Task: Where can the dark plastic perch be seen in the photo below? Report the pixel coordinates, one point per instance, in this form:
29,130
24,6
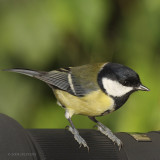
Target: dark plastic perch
16,143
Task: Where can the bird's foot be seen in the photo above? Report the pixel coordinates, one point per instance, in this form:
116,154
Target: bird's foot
106,131
77,137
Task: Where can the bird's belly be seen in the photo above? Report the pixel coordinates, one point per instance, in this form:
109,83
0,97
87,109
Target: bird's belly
93,104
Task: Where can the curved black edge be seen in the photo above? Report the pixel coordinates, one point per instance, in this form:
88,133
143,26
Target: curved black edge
58,144
14,141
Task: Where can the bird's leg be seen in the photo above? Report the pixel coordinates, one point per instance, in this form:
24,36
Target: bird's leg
106,131
75,132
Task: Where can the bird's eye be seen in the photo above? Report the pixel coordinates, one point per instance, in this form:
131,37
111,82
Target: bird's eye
126,83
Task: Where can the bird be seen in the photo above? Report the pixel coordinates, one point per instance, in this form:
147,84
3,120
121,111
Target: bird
91,90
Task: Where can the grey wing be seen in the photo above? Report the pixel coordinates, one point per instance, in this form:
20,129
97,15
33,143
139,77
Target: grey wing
55,79
58,79
70,83
62,79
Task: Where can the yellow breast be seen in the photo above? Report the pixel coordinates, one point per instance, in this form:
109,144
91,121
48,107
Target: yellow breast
93,104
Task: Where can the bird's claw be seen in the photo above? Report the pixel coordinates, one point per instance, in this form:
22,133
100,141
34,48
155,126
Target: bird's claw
78,138
106,131
119,143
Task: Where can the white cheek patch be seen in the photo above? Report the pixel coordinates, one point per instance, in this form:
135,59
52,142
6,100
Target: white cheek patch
114,88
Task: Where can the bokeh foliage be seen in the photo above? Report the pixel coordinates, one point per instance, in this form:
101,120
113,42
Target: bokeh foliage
46,35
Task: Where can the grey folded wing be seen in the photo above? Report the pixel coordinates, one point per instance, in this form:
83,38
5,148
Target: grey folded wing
69,82
63,79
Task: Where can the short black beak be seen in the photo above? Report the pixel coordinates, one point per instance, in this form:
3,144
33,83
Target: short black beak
143,88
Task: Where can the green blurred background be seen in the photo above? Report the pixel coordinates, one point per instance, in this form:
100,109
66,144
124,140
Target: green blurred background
46,35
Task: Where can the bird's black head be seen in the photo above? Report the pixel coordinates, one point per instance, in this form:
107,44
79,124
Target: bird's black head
118,80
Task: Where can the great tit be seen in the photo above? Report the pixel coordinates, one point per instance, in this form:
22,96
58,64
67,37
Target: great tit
91,90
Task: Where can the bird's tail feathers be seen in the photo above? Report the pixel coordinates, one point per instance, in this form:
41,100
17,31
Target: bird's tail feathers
27,72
